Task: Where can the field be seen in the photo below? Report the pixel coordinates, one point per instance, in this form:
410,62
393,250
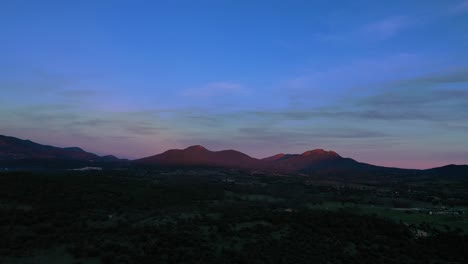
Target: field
229,216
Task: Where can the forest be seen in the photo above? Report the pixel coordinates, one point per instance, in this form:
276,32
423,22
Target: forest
206,215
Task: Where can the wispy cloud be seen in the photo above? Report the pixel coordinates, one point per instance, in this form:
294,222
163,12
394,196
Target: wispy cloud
349,80
391,26
215,89
459,75
385,29
460,8
379,30
144,129
78,93
275,135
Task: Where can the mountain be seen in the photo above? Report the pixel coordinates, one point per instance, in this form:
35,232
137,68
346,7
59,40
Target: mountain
275,157
15,149
25,153
200,156
317,160
451,171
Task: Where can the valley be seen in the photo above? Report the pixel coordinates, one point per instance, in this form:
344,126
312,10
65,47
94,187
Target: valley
207,215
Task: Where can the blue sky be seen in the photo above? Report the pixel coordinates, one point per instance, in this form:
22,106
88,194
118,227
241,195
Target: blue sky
384,82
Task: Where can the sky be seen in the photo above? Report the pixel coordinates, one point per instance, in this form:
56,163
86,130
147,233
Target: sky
383,82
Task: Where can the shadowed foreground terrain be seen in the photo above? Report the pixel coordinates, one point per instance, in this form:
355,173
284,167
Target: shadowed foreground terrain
197,215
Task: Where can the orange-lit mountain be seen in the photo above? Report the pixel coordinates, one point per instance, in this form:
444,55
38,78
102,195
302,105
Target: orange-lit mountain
317,160
14,149
25,153
312,160
307,160
275,157
200,156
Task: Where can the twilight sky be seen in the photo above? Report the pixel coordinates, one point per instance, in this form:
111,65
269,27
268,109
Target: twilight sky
383,82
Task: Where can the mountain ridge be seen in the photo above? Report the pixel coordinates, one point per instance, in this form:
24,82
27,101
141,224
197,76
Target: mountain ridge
316,160
311,161
14,149
199,155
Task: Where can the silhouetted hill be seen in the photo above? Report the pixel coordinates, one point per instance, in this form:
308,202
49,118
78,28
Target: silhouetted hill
15,149
454,171
110,158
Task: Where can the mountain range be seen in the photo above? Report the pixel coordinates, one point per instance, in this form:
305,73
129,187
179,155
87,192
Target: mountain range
14,149
312,160
318,160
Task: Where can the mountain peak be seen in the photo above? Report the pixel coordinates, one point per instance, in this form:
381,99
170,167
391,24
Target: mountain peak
320,152
196,147
200,156
12,148
275,157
